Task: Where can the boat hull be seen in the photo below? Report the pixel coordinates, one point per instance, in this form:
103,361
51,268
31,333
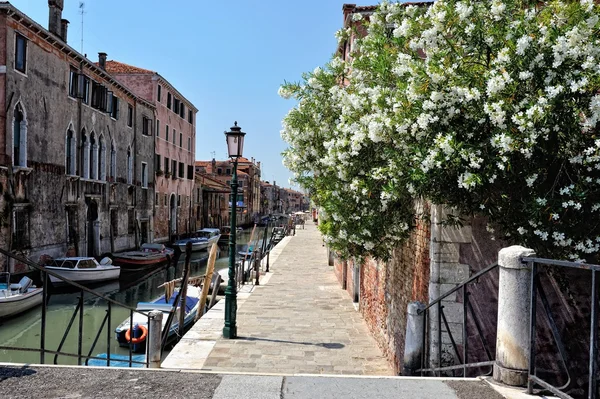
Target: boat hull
84,275
139,262
16,304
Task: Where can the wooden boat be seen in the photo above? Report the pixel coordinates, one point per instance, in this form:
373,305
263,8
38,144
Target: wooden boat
150,255
83,270
140,321
224,239
201,240
17,298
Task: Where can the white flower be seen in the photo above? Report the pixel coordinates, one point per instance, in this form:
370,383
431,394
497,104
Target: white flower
531,179
522,44
284,93
357,16
497,9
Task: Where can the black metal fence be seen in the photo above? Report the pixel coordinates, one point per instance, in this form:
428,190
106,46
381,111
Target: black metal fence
537,291
103,333
460,363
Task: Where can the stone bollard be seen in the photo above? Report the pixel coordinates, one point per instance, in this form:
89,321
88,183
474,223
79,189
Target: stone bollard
413,341
514,297
154,338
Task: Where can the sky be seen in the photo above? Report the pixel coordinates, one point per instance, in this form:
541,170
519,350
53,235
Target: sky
227,57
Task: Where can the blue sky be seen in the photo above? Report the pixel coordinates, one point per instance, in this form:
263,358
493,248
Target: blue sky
227,57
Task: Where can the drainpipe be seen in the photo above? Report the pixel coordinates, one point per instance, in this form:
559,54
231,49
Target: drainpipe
135,133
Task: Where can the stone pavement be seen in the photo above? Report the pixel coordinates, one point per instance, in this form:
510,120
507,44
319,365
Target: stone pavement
25,381
298,321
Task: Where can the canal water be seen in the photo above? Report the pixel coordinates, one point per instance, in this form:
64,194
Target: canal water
24,330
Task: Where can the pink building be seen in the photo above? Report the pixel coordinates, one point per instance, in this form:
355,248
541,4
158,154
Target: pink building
175,141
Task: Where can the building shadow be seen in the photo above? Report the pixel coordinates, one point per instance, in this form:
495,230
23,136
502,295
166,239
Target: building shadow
15,372
326,345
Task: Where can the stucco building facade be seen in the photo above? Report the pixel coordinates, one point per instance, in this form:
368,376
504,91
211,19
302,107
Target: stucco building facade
175,143
76,147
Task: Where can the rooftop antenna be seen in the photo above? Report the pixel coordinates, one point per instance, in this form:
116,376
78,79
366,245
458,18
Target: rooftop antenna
213,154
81,12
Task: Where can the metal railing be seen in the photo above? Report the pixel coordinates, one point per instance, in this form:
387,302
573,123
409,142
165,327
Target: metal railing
78,314
254,262
537,290
460,357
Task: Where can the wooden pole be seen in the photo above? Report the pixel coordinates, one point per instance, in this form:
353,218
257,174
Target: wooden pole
184,284
207,279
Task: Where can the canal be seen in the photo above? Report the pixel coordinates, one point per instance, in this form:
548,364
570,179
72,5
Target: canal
24,330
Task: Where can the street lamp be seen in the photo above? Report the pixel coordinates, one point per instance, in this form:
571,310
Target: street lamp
235,147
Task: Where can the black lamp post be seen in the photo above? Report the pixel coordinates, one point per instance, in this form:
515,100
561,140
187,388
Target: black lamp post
235,147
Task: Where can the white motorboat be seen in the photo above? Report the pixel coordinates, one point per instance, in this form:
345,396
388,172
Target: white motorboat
17,298
83,270
201,240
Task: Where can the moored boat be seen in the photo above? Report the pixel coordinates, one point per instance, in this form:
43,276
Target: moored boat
140,321
150,255
201,240
82,270
17,298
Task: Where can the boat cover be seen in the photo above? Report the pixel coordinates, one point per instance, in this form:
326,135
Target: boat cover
189,303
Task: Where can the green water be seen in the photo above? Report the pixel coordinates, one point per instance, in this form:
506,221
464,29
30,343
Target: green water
24,330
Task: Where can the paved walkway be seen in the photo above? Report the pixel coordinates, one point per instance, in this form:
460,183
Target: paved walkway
298,321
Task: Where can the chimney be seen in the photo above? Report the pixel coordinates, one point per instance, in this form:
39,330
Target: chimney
347,9
55,15
214,166
102,60
64,26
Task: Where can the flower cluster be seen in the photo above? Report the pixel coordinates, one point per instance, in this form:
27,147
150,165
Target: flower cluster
488,106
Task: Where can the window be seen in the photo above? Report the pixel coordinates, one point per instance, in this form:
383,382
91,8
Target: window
146,127
156,199
71,224
101,159
189,144
19,137
113,162
166,165
219,171
169,100
181,139
178,200
114,222
21,53
228,171
157,162
70,151
190,117
240,184
114,109
129,167
174,136
73,83
157,128
191,172
99,96
176,105
165,200
83,87
144,175
130,221
182,110
174,168
93,157
129,116
21,228
181,170
167,132
85,155
158,95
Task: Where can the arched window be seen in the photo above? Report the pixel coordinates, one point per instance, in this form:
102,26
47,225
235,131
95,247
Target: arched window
101,159
129,166
70,152
93,157
113,162
19,137
85,155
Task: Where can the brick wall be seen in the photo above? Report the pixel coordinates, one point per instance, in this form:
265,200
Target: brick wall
386,288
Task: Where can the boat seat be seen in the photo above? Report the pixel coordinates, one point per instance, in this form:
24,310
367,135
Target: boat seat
23,285
106,261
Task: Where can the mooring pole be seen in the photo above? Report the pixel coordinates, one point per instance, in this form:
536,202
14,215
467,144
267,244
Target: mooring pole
154,338
184,284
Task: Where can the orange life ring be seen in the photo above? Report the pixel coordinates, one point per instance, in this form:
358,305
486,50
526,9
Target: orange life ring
137,340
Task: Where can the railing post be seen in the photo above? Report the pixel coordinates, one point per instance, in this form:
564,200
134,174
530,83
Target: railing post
513,328
532,325
257,267
413,341
45,287
593,337
154,338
